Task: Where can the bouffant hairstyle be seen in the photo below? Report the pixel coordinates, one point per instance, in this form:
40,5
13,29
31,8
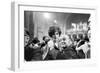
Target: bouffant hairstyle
54,29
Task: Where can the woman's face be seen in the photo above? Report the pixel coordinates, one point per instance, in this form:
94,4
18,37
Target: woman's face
26,39
56,35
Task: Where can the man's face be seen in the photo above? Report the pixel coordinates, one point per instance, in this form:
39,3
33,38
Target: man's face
46,39
62,42
65,41
89,34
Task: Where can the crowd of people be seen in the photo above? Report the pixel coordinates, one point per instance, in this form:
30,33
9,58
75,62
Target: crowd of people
56,46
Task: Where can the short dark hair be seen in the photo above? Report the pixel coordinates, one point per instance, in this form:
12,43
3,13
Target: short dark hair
44,37
35,40
54,29
26,33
